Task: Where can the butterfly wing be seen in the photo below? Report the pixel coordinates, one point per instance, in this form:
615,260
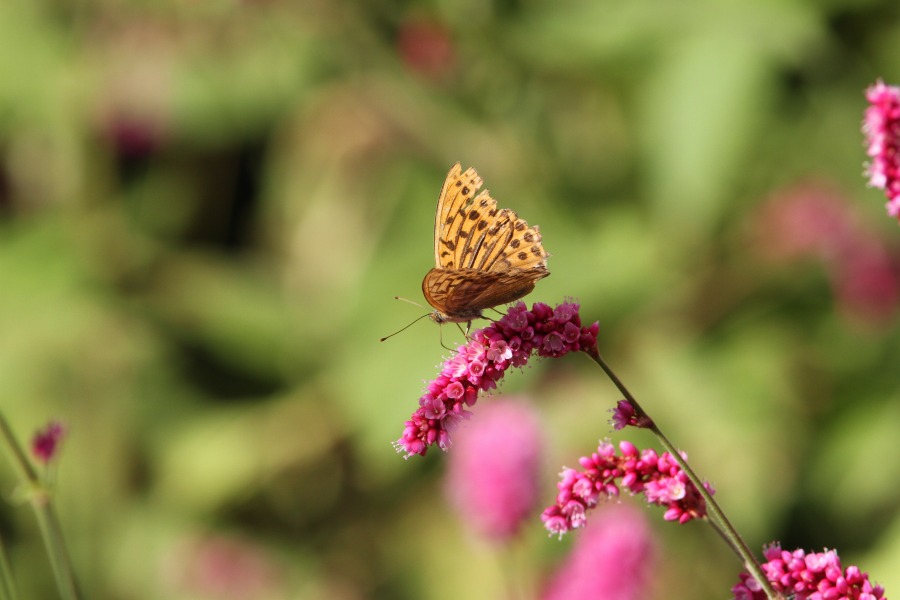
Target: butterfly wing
472,233
461,294
484,256
456,195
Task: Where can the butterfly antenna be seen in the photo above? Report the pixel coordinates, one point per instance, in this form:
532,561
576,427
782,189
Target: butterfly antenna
405,327
409,301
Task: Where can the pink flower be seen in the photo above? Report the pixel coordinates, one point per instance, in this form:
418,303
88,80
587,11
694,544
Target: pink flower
867,282
657,476
881,126
482,362
426,48
45,443
223,567
492,480
612,558
625,415
816,576
814,221
810,219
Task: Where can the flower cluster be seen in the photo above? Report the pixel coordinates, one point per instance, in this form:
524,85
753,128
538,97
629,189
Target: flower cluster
657,476
482,362
613,557
812,576
45,443
881,126
493,476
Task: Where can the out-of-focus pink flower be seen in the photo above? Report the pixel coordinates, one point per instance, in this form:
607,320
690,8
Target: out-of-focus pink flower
45,443
867,282
612,558
814,221
814,576
807,220
881,126
492,480
657,476
133,136
478,365
426,48
224,568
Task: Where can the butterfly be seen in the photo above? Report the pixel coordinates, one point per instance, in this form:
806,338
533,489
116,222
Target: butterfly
483,256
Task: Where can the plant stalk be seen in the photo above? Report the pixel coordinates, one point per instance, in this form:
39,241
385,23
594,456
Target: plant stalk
716,516
40,500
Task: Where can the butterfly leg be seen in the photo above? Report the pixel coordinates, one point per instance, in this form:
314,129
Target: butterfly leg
441,334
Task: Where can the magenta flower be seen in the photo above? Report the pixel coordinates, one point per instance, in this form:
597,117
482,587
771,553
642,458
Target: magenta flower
657,476
493,475
482,362
45,442
816,576
881,126
624,415
611,558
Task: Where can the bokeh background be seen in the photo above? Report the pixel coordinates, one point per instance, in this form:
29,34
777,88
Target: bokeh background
206,208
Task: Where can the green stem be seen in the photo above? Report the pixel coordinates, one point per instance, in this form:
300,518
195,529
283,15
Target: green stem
716,516
46,517
7,581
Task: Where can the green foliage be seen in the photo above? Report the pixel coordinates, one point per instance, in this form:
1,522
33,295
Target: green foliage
206,209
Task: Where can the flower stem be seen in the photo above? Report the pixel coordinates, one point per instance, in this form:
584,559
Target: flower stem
716,516
7,581
40,500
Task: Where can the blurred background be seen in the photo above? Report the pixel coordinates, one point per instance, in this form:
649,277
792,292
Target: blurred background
207,207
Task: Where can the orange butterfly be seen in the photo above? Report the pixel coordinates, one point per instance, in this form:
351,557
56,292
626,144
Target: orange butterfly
484,256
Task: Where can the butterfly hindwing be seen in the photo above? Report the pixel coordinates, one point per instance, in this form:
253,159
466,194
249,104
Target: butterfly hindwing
463,293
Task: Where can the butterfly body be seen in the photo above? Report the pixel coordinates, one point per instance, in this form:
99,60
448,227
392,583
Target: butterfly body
484,256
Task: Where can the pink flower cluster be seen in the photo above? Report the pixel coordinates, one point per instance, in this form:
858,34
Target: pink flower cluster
613,558
45,443
657,476
881,126
482,362
493,476
815,576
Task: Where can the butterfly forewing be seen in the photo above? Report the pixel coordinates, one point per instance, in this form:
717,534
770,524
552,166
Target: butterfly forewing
458,191
484,256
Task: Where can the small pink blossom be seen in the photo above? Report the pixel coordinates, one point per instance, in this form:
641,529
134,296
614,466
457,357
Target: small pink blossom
493,474
657,476
613,557
45,443
483,361
881,126
816,576
624,415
